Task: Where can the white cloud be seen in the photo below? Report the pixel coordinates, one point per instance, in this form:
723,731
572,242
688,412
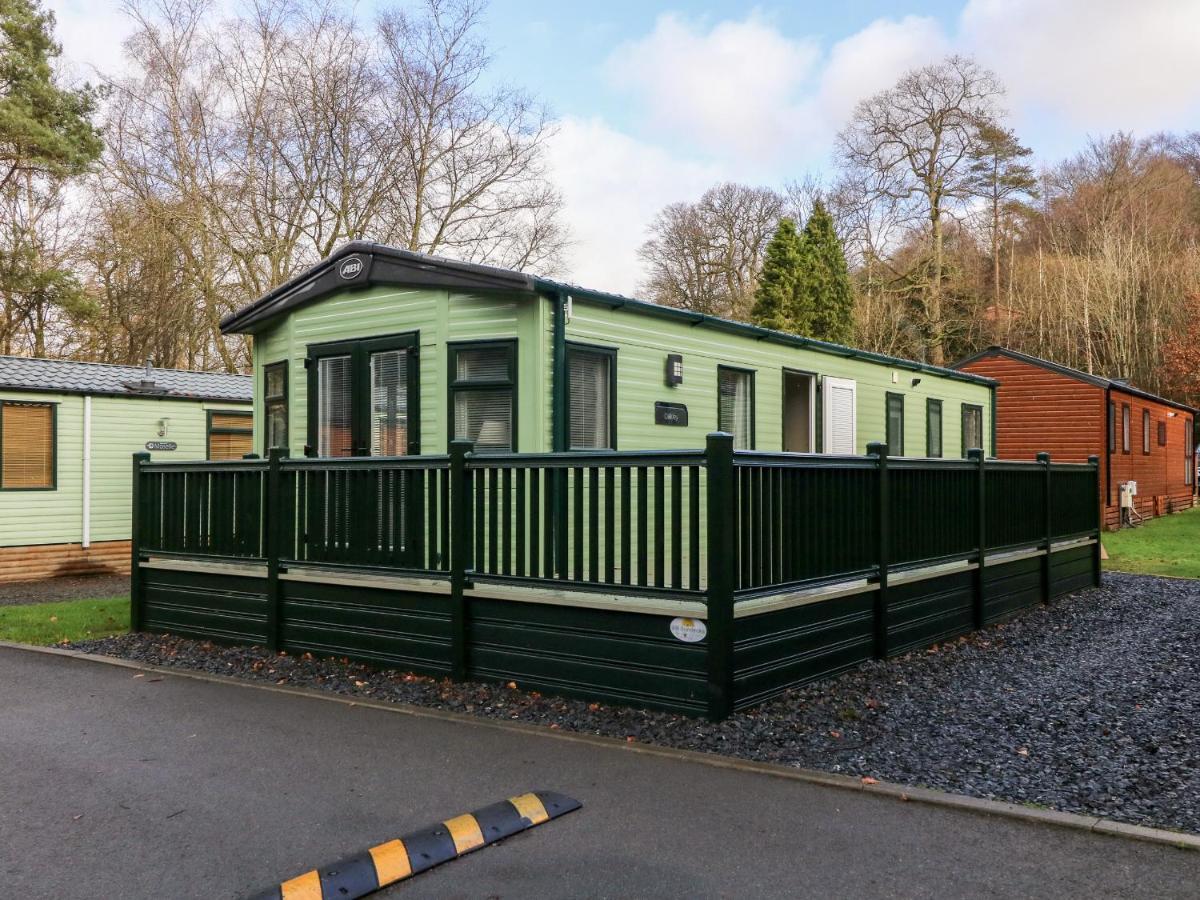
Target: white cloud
91,34
613,185
1096,64
729,88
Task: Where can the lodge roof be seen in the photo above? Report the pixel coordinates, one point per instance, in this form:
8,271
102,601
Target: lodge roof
1116,384
65,376
362,263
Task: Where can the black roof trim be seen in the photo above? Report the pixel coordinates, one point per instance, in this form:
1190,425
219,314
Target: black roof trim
381,264
1086,377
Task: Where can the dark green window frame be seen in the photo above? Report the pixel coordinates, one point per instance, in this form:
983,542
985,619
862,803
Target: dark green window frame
611,353
209,430
272,400
895,442
933,410
456,385
969,409
750,444
360,352
53,486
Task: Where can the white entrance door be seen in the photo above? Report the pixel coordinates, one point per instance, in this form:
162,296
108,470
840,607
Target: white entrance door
839,398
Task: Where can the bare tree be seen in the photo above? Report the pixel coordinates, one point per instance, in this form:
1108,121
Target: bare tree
911,147
707,255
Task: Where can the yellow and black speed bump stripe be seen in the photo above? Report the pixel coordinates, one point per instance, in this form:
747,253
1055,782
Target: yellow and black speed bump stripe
395,860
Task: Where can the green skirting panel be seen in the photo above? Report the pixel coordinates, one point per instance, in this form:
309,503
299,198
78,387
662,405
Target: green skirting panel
1072,570
397,629
597,654
776,651
1011,587
224,608
922,613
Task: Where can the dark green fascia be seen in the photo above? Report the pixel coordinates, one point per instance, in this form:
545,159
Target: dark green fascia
616,301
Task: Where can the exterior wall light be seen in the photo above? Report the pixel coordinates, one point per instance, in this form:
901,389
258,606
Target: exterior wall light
674,368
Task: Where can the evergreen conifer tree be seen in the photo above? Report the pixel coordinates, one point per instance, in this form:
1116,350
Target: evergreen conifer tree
824,298
774,297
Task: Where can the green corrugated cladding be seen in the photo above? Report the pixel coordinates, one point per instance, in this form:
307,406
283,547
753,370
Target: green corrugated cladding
120,427
642,343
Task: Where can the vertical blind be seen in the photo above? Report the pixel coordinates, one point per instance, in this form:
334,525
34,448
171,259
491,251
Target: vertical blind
735,406
334,412
27,445
591,400
389,403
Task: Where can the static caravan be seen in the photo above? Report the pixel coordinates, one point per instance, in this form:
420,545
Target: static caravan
379,351
1145,443
67,432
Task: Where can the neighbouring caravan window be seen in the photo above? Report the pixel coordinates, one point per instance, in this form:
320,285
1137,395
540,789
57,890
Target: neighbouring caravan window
735,406
1112,427
1189,451
894,433
1146,431
933,427
275,406
972,428
1162,434
591,378
483,381
839,398
27,446
230,434
1124,427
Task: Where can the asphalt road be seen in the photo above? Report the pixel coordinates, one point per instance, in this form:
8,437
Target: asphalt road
116,786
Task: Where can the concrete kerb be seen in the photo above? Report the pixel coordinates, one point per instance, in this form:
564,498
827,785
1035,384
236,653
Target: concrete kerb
903,793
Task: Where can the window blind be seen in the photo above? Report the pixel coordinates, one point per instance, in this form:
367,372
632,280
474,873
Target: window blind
734,406
27,444
275,404
972,428
334,418
484,417
589,375
389,403
933,428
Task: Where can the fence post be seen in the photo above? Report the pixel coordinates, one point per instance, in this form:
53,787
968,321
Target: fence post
136,601
272,521
980,532
460,554
882,544
1095,461
1044,459
722,555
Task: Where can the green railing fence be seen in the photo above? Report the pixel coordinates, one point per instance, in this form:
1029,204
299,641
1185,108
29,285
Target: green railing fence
716,526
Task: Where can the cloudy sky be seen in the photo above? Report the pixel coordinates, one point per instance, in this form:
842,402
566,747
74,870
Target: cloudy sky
657,101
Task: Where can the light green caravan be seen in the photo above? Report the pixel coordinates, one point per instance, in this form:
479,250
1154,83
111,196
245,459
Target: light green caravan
68,431
379,351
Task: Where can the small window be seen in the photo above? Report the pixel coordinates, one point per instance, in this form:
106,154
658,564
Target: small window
230,434
483,381
933,428
1112,427
735,406
894,434
1146,431
27,446
275,405
1189,452
1162,434
591,375
1124,427
972,428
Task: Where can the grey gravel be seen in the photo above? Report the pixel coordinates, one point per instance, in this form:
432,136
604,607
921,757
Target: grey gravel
64,587
1089,706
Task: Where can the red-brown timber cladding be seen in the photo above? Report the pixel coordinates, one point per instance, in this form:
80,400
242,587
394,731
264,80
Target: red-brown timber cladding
50,560
1039,409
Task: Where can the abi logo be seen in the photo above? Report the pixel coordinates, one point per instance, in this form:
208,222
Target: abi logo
350,268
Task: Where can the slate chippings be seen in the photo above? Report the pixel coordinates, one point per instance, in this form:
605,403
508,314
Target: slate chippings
1089,705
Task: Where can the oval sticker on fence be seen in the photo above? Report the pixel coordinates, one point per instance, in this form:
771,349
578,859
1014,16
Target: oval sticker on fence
688,630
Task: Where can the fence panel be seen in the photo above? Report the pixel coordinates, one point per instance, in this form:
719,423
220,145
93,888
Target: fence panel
1074,505
202,509
1015,494
932,508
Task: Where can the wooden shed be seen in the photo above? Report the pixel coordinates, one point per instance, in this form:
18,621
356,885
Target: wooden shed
1139,437
67,430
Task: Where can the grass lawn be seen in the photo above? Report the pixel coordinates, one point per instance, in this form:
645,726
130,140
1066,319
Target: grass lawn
70,620
1165,546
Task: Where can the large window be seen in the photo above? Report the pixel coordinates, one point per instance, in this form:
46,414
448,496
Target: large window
27,446
483,396
1124,427
972,428
1146,432
735,406
591,374
933,427
275,405
230,434
894,431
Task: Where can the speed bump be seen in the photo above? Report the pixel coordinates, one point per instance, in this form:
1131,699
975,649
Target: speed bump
395,860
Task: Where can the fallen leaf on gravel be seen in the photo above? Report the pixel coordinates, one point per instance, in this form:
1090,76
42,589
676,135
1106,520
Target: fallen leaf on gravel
78,817
872,703
1023,751
835,734
554,725
360,684
867,779
140,675
512,685
592,707
629,739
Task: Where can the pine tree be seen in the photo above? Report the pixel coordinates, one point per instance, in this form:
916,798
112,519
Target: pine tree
774,296
824,299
